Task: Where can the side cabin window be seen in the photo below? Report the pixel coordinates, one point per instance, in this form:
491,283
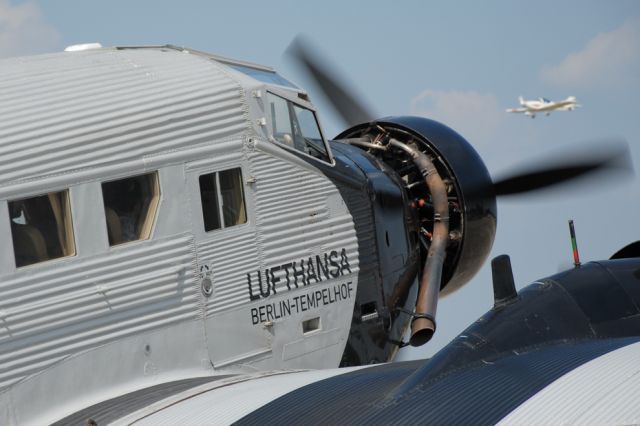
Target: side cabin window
296,127
41,228
130,207
222,199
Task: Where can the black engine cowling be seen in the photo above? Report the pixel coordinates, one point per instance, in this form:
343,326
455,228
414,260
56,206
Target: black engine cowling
397,232
472,203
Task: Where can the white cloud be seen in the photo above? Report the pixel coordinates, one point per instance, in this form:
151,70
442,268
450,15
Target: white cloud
23,30
610,59
475,116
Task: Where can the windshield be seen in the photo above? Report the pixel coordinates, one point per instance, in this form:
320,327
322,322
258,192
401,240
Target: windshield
296,127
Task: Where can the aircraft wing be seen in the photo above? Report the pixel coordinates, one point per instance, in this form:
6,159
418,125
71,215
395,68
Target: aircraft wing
569,107
598,379
533,387
552,353
216,399
516,110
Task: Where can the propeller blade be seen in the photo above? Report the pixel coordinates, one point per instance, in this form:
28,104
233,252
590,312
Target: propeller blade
352,110
616,159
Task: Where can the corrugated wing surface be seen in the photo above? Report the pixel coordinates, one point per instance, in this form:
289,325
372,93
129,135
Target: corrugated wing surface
48,314
113,409
226,404
608,389
480,394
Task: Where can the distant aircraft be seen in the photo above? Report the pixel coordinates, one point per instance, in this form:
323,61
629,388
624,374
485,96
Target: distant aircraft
531,108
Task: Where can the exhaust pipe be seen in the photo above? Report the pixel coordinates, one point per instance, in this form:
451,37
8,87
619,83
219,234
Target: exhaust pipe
423,324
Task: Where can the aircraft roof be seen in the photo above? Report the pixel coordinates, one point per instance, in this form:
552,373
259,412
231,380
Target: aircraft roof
114,107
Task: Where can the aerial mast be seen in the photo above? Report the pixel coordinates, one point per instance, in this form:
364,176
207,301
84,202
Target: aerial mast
574,244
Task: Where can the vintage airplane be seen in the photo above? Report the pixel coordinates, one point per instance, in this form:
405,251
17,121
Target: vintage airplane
178,235
542,105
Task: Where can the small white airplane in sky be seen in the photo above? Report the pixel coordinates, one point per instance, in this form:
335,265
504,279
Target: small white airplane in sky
542,105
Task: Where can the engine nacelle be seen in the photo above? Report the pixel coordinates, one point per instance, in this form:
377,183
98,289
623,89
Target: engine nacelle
472,202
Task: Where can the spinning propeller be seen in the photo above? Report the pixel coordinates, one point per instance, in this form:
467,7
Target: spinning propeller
473,188
354,111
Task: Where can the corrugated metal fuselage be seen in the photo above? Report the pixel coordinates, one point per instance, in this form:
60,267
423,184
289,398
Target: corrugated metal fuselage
110,319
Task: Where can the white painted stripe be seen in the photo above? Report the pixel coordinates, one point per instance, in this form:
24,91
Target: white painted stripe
605,390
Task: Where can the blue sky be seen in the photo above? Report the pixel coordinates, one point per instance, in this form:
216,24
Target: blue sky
461,62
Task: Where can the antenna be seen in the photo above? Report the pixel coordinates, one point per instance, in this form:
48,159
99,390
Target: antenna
574,244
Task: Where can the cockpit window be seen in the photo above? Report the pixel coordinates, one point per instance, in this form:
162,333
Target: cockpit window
263,75
296,127
280,120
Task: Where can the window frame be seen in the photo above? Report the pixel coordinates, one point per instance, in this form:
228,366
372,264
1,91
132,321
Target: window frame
67,220
219,198
300,103
151,218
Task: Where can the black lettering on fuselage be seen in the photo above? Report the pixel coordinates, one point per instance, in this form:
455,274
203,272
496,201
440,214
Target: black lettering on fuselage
310,300
263,292
344,262
251,295
274,279
322,267
299,273
333,261
312,270
286,267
